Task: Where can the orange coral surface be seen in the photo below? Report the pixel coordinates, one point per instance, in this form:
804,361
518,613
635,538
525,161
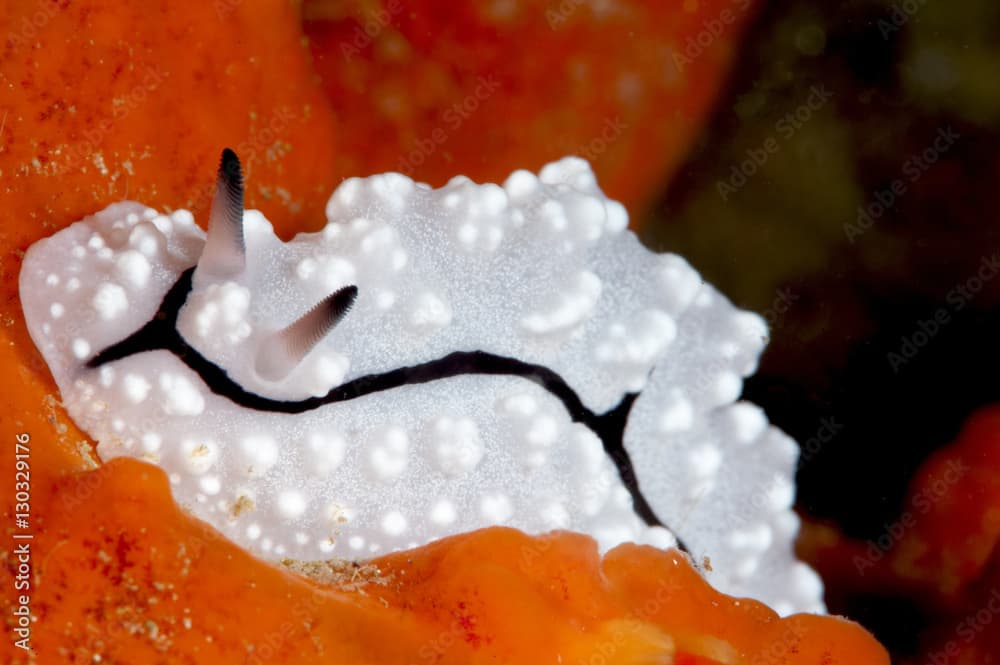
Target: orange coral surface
941,552
482,88
144,583
134,100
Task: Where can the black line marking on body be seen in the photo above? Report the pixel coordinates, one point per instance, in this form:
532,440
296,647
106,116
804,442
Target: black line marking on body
161,334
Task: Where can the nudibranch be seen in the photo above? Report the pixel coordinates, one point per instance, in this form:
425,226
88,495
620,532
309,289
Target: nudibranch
432,361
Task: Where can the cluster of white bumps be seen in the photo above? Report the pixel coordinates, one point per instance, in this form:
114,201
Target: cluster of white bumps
541,269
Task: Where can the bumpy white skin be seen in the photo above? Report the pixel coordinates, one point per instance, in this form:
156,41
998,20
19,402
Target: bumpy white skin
541,269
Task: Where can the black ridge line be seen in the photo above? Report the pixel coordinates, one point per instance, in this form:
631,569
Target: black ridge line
161,333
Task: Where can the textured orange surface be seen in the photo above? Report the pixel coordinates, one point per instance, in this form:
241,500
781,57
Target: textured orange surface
482,88
122,573
134,100
941,552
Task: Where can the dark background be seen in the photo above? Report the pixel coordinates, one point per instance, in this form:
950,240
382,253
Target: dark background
885,323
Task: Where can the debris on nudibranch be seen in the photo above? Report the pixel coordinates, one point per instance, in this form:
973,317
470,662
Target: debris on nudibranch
431,362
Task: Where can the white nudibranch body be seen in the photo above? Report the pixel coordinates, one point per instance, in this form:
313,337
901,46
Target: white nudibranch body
540,272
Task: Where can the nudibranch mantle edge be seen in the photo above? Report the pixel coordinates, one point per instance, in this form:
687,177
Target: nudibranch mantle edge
481,348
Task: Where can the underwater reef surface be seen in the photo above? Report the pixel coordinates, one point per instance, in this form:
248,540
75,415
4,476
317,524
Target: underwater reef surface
138,100
137,590
133,101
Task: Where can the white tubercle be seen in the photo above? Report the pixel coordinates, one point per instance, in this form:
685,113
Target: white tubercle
541,270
